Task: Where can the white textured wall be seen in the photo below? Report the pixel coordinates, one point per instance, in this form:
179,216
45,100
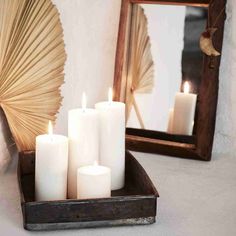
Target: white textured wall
90,28
90,32
225,133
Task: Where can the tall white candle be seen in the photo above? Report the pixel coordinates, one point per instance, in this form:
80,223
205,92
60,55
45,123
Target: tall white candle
112,139
83,142
51,166
184,111
93,181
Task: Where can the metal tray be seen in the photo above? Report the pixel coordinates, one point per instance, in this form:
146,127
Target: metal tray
135,204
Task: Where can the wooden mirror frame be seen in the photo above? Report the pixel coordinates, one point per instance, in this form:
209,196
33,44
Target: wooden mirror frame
198,146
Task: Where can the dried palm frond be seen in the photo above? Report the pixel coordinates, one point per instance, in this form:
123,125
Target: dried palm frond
141,66
32,58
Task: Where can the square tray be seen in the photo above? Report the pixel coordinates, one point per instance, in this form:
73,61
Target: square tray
135,204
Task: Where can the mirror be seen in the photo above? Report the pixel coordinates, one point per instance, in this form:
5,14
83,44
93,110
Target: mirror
164,52
166,72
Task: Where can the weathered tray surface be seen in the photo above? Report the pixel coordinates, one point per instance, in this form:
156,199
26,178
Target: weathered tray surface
135,204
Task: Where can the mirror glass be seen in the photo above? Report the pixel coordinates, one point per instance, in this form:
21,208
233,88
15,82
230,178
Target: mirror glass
164,53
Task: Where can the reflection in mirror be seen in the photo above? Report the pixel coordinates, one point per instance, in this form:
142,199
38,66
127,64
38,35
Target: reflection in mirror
163,54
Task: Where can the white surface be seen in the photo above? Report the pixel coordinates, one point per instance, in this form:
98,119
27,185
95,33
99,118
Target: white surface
196,199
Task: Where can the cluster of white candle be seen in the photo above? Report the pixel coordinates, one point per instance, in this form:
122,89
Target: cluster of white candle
181,117
67,167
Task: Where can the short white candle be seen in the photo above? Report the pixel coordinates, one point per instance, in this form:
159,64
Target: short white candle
184,111
112,139
51,167
83,142
93,181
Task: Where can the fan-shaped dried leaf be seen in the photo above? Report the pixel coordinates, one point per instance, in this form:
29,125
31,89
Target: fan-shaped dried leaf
141,66
32,58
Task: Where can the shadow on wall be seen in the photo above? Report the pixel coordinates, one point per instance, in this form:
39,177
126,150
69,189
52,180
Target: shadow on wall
225,133
7,144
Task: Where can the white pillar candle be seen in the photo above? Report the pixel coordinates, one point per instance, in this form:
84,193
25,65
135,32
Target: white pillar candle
170,121
93,181
112,139
83,142
51,167
184,111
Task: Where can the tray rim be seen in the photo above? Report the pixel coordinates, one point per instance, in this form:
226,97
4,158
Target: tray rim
87,224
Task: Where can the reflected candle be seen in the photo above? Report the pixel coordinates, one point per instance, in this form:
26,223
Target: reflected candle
184,111
93,181
51,166
83,142
112,139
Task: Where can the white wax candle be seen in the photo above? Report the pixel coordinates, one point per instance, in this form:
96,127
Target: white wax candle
112,139
184,111
51,167
93,181
83,142
170,121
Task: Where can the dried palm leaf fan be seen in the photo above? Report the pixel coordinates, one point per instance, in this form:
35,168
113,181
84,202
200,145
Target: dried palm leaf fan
32,58
141,66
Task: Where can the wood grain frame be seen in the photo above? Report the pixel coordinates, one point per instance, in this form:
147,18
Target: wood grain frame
198,146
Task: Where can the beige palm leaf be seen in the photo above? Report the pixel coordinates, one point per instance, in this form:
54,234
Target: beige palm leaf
32,58
141,66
